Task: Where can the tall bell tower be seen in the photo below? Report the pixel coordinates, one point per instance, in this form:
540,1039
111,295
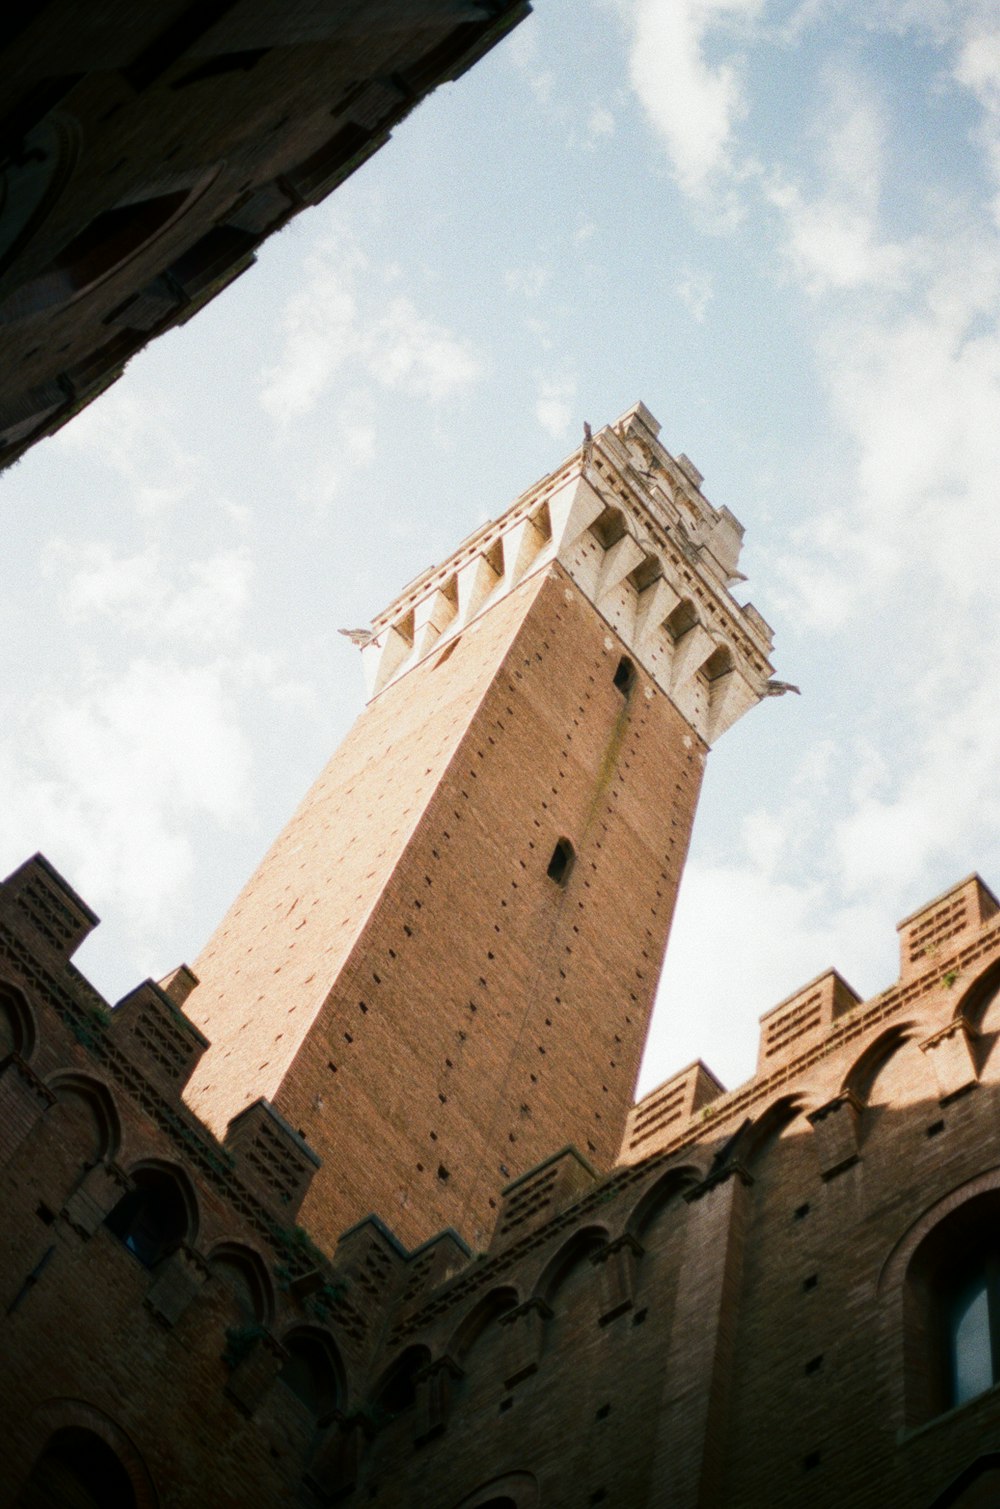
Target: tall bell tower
443,969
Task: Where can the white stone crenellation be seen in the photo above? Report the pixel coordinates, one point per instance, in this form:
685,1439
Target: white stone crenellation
629,524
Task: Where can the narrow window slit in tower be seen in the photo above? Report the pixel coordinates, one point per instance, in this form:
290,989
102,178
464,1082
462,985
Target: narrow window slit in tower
624,677
561,862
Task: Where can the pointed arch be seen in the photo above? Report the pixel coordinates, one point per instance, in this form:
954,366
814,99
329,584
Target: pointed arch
102,1104
580,1246
668,1187
482,1315
974,1002
247,1276
314,1370
609,527
396,1389
860,1078
519,1490
157,1213
769,1126
681,619
18,1029
63,1423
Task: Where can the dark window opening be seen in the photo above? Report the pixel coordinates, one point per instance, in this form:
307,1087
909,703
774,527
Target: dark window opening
78,1469
310,1375
971,1315
399,1390
625,675
952,1310
152,1218
561,862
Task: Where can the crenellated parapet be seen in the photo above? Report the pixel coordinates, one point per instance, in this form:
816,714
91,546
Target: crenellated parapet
949,978
629,525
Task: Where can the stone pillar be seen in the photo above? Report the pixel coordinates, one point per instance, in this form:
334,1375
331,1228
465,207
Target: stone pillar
617,1265
435,1390
525,1329
687,1463
836,1127
336,1467
950,1052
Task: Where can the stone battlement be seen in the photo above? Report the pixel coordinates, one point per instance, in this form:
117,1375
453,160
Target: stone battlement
629,525
948,937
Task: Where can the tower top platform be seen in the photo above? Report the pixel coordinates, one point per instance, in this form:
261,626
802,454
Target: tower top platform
629,523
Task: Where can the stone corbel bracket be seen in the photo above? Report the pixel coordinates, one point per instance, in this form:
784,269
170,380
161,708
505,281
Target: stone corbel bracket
630,526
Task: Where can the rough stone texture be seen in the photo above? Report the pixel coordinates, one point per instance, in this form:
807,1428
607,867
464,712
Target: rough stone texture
147,150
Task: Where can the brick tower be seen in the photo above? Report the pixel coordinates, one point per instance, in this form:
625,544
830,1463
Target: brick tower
444,967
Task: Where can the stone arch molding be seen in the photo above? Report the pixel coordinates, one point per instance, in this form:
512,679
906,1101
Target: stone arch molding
896,1264
102,1101
664,1189
973,1002
576,1249
484,1313
861,1076
521,1487
63,1414
246,1258
22,1018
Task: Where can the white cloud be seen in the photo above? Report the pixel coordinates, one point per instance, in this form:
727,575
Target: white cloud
136,593
691,103
405,350
554,407
743,940
695,292
529,281
600,125
346,316
136,438
116,781
833,235
978,70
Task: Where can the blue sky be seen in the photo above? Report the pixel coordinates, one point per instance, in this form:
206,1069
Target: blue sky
777,224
